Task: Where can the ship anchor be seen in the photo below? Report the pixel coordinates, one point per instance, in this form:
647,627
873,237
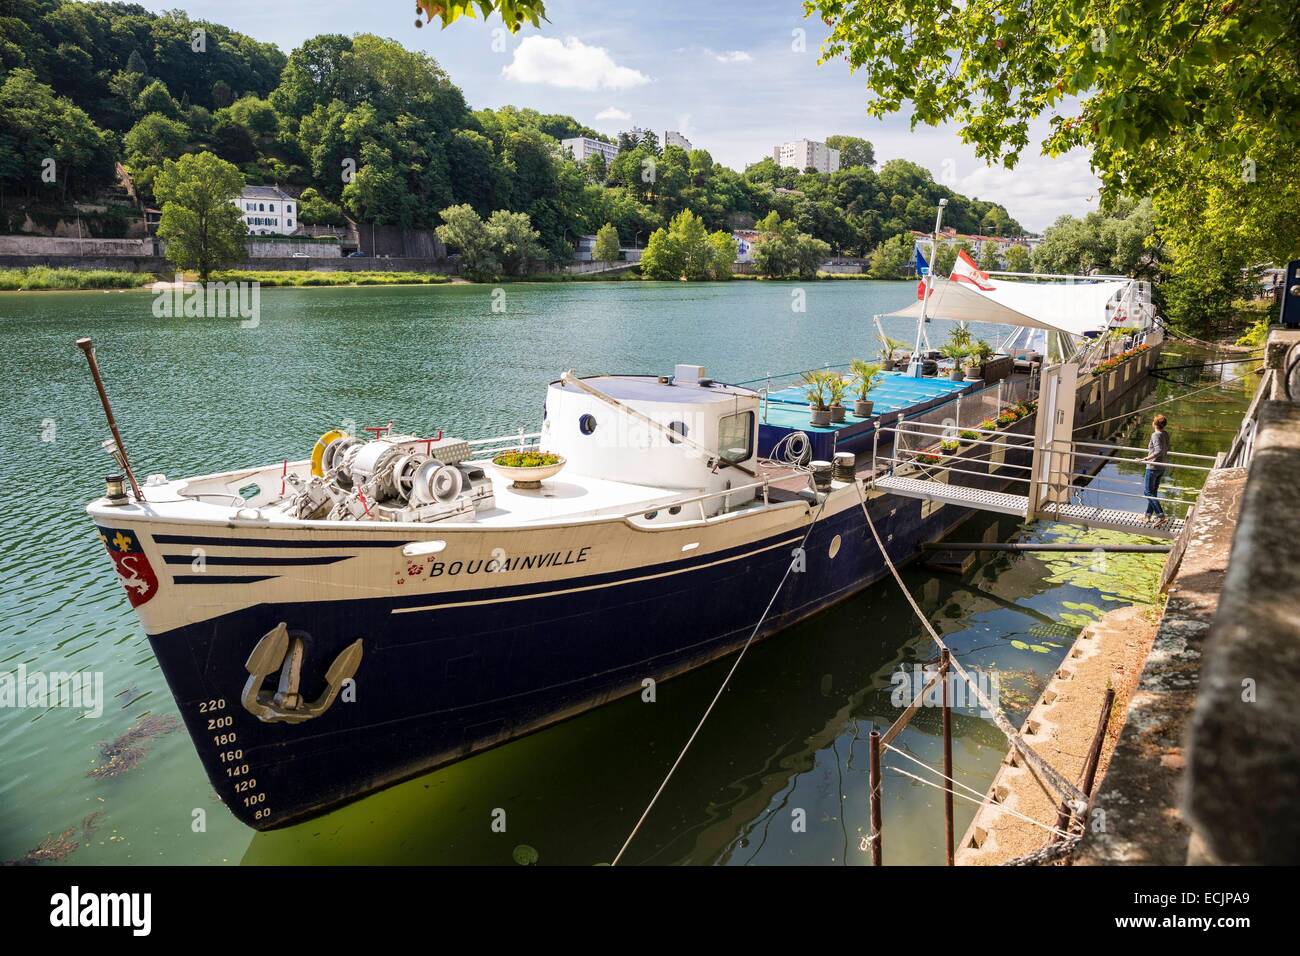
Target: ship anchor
286,704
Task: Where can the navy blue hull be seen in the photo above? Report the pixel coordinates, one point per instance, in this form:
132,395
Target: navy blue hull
439,684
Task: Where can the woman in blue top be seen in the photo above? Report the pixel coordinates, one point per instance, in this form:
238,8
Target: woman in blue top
1157,453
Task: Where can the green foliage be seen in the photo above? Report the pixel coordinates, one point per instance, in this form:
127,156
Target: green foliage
686,250
1190,104
607,245
946,258
866,375
144,96
893,258
315,209
200,224
44,277
268,278
1116,242
525,458
465,232
854,151
817,387
782,250
515,240
514,13
1019,259
37,125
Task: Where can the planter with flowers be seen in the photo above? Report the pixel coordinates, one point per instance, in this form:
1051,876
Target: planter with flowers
527,468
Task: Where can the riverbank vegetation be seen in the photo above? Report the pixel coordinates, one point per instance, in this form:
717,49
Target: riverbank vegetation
44,278
271,279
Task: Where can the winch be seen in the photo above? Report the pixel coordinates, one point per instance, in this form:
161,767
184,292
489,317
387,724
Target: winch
393,478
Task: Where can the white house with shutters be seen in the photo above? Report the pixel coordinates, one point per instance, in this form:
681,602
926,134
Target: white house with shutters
268,211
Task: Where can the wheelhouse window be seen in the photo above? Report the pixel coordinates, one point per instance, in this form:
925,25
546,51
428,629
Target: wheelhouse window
736,437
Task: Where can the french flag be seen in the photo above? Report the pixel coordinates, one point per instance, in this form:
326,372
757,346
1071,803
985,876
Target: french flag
922,269
965,270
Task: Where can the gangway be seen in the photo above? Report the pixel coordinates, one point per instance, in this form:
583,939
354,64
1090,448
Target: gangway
1049,473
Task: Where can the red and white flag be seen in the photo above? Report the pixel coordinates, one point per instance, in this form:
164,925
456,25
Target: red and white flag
965,270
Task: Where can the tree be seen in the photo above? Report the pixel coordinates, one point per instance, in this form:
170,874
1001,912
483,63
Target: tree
687,250
946,258
515,241
1019,259
662,257
723,249
464,231
990,257
854,151
201,224
514,13
892,259
607,245
155,98
1191,104
315,209
1118,241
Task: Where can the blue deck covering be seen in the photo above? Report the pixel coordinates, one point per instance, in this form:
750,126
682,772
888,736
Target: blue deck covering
787,410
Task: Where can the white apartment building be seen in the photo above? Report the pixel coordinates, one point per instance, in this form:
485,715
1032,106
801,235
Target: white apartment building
674,138
581,147
805,154
268,211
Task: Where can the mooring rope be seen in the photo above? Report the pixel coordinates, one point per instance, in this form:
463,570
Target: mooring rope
794,559
1047,774
938,786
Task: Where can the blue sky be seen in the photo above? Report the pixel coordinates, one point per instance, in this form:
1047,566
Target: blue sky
727,74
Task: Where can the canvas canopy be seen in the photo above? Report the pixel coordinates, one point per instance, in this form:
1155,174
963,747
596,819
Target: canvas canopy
1074,308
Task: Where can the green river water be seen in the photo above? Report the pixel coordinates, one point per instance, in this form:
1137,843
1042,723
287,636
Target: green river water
786,742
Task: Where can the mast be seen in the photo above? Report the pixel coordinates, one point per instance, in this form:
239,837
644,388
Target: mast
914,369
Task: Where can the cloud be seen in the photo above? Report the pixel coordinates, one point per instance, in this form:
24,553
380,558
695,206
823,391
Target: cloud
1038,189
570,64
613,113
730,56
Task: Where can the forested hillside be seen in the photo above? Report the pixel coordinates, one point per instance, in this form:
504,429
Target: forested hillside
366,128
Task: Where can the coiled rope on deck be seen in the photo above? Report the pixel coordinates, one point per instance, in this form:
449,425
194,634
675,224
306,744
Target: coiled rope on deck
794,558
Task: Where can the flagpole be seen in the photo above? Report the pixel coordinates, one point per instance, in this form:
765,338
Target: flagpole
914,370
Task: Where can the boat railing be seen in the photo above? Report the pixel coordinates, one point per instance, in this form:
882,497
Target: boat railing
916,447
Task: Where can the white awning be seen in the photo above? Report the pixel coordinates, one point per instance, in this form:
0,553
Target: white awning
1075,308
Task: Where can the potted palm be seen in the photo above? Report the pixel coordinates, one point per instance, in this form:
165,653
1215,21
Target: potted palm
836,386
890,348
956,352
815,391
865,376
980,352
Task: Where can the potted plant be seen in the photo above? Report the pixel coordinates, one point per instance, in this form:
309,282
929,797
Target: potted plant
865,376
890,347
836,386
980,353
815,391
527,467
955,351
